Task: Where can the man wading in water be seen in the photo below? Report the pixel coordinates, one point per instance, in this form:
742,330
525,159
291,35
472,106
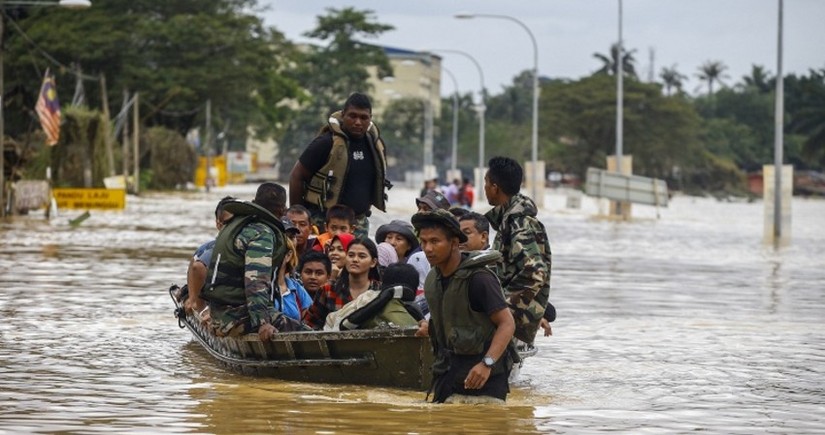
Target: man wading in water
471,326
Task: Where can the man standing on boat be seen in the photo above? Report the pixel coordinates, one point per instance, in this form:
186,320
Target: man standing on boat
524,269
239,282
470,324
345,164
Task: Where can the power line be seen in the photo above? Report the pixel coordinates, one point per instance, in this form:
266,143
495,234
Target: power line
44,53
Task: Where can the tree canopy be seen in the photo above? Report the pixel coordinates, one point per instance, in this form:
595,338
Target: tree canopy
180,54
176,54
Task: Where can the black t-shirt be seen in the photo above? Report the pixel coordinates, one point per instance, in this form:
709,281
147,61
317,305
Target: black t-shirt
485,293
359,187
485,297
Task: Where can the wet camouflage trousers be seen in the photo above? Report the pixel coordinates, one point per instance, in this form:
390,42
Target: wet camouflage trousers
527,313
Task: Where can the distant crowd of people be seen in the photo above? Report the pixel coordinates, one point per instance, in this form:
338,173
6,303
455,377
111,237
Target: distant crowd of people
458,193
312,265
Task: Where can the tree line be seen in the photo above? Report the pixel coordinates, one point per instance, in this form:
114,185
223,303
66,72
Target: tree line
180,54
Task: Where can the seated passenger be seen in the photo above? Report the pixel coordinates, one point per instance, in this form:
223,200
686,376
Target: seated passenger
386,256
340,220
400,235
337,253
300,218
477,229
291,298
390,307
314,269
359,275
196,272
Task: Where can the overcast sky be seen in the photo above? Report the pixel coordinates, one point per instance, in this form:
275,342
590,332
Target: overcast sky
685,33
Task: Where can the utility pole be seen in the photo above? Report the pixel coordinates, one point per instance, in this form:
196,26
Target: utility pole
126,139
136,139
207,143
104,100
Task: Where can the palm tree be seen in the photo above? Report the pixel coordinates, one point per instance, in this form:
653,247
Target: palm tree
809,120
759,79
672,79
712,71
610,62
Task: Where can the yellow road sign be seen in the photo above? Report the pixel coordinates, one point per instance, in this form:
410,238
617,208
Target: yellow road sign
85,199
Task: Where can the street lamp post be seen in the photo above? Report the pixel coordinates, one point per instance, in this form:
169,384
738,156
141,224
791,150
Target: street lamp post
454,156
479,179
535,137
70,4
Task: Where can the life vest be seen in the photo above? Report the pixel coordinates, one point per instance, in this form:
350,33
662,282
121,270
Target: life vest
325,187
455,327
392,305
225,276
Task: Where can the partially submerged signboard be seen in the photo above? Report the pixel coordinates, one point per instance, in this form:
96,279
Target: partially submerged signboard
86,199
628,188
30,195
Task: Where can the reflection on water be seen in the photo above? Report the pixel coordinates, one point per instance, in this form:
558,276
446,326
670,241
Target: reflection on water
678,324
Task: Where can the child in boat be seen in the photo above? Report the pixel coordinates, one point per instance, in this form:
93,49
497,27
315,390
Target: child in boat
390,307
337,254
291,298
340,219
359,275
314,269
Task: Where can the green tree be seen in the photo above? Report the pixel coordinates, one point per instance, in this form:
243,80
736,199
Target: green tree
659,132
610,62
758,80
330,73
402,127
176,54
712,71
672,79
467,150
805,102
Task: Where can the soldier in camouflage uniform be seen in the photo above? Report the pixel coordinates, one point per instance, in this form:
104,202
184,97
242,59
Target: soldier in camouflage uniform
246,255
524,270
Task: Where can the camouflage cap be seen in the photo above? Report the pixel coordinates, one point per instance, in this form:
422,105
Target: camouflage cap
442,218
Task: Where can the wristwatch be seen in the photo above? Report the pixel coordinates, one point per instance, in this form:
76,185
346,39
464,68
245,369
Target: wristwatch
488,361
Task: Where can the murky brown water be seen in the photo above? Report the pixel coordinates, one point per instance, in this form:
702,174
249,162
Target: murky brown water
673,325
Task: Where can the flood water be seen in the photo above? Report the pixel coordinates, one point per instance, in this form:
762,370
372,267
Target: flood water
678,324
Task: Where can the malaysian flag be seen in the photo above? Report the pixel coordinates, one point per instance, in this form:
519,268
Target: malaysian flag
48,109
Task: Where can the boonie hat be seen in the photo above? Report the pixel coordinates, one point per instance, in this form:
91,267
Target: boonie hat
441,217
400,227
434,199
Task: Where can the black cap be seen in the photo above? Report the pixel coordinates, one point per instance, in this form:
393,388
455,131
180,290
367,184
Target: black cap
434,200
288,226
441,218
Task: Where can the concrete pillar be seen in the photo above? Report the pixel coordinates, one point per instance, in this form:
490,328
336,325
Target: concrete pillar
452,175
620,209
478,176
769,199
539,182
430,172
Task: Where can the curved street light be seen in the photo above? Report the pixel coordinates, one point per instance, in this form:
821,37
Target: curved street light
454,156
535,136
70,4
479,179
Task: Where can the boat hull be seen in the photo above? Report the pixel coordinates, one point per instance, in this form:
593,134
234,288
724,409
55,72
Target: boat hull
381,357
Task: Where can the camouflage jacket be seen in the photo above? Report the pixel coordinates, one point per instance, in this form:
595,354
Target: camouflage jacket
257,241
524,270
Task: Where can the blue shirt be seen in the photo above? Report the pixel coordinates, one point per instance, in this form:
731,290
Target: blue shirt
296,292
204,252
